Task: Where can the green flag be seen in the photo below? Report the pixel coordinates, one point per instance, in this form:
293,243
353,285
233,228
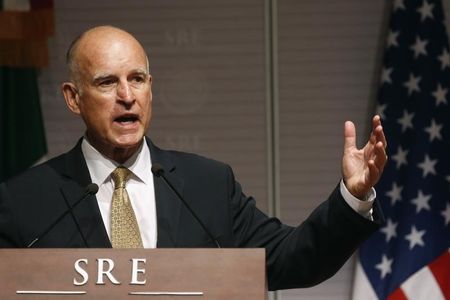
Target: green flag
22,136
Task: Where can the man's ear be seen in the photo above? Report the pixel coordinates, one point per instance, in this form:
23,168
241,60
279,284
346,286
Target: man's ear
71,96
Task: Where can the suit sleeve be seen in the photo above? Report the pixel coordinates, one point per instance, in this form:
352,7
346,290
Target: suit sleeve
9,233
305,255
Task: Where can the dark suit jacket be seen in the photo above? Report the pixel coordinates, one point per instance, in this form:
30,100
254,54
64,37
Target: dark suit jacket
296,256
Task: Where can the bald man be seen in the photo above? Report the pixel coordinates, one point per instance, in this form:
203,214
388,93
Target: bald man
110,89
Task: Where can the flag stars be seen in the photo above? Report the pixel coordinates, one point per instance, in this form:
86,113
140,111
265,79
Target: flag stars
406,121
419,47
444,58
421,202
412,84
434,130
446,214
415,237
385,266
426,11
400,157
390,230
386,75
428,166
392,39
440,95
395,193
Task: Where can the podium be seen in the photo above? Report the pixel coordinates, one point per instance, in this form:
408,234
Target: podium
133,274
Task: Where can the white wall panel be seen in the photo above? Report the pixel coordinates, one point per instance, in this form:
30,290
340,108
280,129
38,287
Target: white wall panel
327,66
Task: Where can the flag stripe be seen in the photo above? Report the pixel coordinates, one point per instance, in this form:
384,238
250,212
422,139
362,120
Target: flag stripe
397,295
441,271
429,288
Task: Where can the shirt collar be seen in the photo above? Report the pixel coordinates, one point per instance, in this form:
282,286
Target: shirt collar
100,166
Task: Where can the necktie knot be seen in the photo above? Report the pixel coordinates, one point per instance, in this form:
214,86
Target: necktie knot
120,177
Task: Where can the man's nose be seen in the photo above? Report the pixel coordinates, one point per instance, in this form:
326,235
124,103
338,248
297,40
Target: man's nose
124,92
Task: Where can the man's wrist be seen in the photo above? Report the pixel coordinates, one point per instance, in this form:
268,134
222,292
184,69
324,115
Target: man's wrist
361,206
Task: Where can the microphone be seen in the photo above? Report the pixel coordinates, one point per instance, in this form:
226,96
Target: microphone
91,189
158,171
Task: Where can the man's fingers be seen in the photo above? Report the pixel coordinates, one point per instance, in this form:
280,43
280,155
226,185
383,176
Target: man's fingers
380,156
380,136
349,135
376,121
378,130
374,172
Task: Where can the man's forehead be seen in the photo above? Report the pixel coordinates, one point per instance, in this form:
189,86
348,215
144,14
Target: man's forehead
118,58
105,74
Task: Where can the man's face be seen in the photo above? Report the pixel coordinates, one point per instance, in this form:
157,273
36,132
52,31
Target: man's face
114,97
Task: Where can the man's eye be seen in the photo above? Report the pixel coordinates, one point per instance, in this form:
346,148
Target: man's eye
107,82
138,79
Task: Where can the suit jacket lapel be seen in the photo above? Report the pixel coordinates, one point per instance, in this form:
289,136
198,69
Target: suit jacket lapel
168,206
87,212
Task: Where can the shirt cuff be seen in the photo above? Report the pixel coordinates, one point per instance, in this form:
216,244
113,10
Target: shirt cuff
362,207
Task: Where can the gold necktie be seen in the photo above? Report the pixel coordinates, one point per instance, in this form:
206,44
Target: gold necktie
124,227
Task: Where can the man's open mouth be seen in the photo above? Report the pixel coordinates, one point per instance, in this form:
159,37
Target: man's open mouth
126,119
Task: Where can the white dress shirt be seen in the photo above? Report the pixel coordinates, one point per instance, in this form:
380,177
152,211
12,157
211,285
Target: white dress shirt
140,188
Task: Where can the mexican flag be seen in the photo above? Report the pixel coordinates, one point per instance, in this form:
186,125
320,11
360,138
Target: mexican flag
24,30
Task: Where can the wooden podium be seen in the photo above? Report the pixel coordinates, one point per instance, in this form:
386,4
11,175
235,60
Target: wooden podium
133,274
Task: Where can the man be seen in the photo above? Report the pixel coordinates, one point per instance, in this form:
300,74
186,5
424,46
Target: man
110,88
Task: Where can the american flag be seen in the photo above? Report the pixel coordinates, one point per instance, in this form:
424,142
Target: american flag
409,257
